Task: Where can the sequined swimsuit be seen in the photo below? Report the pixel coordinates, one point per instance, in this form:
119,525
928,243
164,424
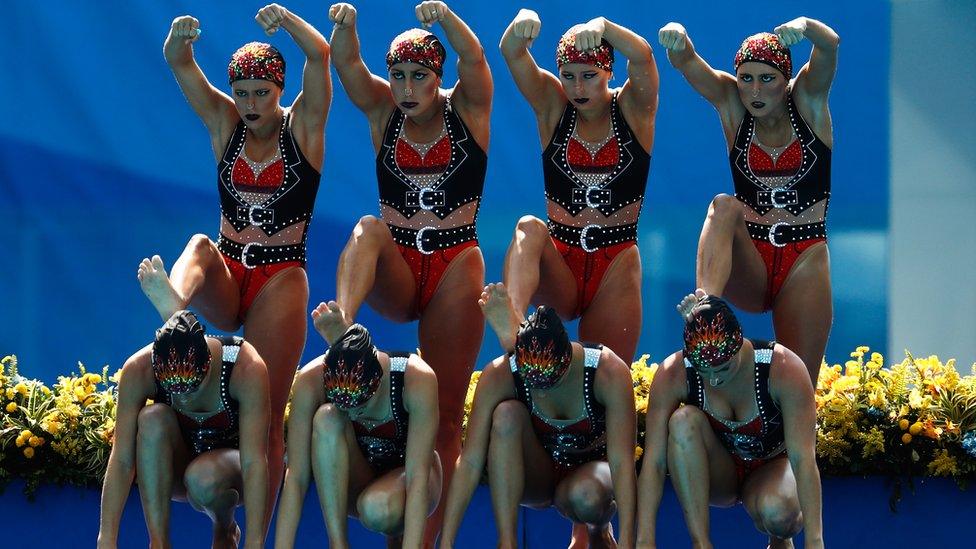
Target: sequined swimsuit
273,196
442,179
607,178
571,443
797,180
220,429
385,445
752,442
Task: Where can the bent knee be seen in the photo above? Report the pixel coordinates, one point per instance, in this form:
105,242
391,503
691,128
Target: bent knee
684,423
380,511
369,226
200,243
779,516
590,500
205,483
329,421
508,419
530,226
724,208
155,421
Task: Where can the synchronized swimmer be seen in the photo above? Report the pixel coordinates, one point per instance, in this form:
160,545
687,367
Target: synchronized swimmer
552,422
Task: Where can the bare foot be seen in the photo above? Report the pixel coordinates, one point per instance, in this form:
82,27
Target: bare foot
226,538
157,287
497,307
329,321
688,303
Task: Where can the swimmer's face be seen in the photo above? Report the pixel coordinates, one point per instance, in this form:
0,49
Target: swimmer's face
586,86
414,87
762,88
256,101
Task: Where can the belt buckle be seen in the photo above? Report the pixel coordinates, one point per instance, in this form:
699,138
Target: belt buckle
583,236
790,198
245,251
772,234
438,199
255,215
419,240
595,197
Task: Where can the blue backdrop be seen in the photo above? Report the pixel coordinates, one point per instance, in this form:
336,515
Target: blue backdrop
102,162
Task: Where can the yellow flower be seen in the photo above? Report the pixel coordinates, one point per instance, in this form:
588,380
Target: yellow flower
10,392
903,423
12,407
45,390
20,441
916,428
29,452
638,452
906,438
943,465
35,441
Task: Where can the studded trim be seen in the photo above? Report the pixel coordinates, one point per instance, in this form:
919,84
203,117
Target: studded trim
772,440
384,453
461,182
624,185
809,186
203,439
570,450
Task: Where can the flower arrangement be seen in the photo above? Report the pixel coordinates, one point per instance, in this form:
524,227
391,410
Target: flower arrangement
60,435
914,418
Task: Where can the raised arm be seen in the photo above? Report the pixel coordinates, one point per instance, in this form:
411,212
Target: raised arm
812,83
249,386
815,78
540,87
370,93
790,387
615,390
420,400
311,107
494,386
299,471
135,386
474,88
638,97
663,400
718,87
215,108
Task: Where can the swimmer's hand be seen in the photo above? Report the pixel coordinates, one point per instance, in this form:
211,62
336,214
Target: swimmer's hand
526,25
590,35
270,18
673,36
429,12
187,28
791,32
343,15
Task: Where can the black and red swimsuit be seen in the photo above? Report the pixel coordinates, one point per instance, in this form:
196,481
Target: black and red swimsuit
571,443
803,171
385,445
272,196
222,428
755,441
449,175
607,179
